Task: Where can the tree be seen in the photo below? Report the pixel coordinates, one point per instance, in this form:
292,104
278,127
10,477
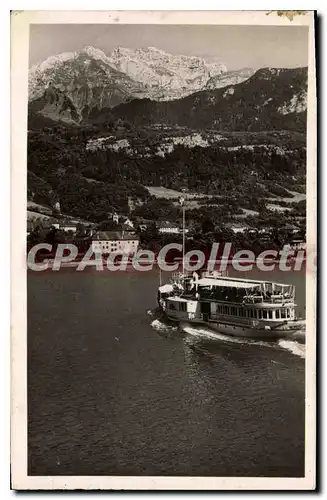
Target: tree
207,226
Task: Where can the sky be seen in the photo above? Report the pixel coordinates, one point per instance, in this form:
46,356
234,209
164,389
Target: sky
235,46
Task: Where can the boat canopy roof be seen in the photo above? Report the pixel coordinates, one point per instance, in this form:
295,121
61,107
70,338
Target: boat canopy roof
166,288
227,283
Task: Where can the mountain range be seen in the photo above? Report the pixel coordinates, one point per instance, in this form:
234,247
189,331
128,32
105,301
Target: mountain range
271,99
147,72
89,80
147,86
102,127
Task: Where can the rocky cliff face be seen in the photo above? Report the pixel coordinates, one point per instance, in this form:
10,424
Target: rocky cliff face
165,76
272,99
229,78
149,86
91,80
85,78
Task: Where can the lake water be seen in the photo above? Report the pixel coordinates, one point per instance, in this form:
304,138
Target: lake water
112,390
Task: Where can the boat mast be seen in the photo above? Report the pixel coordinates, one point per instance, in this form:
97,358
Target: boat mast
182,200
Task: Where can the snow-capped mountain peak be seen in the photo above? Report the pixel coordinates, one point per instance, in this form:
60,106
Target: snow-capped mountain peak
51,62
165,75
155,73
94,53
93,80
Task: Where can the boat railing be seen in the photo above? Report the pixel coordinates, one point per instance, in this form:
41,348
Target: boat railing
178,276
214,274
272,299
235,319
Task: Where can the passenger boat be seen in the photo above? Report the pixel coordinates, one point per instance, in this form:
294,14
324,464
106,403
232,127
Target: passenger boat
233,306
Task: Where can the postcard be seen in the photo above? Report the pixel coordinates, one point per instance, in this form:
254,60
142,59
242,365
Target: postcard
163,250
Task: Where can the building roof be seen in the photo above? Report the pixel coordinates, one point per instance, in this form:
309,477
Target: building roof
166,225
68,224
237,283
115,236
227,283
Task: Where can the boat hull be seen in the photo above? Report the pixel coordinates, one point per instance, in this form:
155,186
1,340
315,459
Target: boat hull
244,331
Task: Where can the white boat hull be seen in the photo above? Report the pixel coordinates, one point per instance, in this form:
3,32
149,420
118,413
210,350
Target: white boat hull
245,331
266,313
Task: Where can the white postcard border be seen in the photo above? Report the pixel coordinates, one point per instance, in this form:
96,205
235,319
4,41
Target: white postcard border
19,97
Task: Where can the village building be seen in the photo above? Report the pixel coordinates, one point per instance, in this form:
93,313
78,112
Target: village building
65,226
106,242
166,227
298,244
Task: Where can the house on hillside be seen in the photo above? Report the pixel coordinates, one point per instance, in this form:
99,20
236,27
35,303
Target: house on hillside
106,242
66,226
166,227
30,226
291,227
298,244
122,220
237,228
127,223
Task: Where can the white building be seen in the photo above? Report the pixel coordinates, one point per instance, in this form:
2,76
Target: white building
298,244
166,227
65,226
106,242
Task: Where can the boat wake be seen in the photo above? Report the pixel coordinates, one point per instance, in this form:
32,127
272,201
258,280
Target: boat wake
295,346
206,333
162,327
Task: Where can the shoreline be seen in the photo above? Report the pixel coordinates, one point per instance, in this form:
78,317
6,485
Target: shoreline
142,262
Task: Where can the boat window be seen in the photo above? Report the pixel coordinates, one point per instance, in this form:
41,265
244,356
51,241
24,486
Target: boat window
270,314
171,305
182,306
277,313
260,313
265,314
288,313
283,313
